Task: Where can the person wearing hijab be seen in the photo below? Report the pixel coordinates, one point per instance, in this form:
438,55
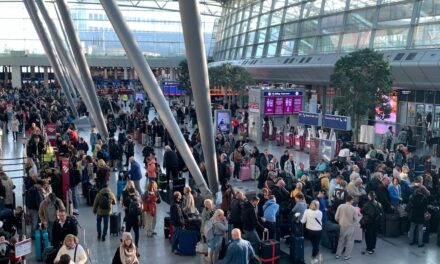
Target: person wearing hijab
126,253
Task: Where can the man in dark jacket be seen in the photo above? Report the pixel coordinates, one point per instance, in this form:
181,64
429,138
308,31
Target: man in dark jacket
250,222
62,227
177,219
170,163
34,197
264,175
371,214
382,195
236,210
284,158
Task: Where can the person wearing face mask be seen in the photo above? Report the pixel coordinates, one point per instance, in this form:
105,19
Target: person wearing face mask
177,219
126,253
72,248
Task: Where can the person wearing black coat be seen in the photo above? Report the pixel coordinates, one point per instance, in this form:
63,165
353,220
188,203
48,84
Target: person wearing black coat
418,206
177,219
251,225
170,163
62,227
370,217
383,196
236,210
222,168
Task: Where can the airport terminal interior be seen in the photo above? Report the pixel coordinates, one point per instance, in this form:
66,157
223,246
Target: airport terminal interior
221,98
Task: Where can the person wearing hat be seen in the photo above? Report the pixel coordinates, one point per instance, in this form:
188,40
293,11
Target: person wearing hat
48,212
126,253
72,248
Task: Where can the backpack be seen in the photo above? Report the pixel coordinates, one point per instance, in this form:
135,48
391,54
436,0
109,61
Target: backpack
379,211
2,189
104,202
130,147
74,221
134,208
208,230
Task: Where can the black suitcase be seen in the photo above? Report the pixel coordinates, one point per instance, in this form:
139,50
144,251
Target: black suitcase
166,227
392,225
269,250
115,224
297,249
92,192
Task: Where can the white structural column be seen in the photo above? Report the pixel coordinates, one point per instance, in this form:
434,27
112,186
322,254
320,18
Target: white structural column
16,76
83,67
46,76
62,52
153,90
41,32
125,73
198,72
105,73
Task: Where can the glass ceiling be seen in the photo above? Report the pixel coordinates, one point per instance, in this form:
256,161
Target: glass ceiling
154,23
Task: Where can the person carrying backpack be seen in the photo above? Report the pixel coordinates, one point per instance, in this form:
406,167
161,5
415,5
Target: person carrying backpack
133,212
102,207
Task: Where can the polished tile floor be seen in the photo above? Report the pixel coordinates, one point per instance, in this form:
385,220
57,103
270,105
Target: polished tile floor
389,251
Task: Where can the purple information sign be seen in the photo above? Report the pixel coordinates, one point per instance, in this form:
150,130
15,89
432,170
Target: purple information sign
288,105
279,105
269,105
297,104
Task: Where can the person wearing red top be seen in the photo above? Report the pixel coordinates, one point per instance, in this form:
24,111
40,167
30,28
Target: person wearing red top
235,124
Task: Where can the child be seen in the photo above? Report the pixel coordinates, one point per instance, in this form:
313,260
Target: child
300,171
12,258
18,218
122,181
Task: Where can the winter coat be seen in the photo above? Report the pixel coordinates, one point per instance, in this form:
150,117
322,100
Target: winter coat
249,218
96,208
135,171
170,159
418,207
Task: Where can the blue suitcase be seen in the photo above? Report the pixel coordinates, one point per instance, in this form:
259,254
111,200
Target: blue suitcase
187,242
297,249
41,243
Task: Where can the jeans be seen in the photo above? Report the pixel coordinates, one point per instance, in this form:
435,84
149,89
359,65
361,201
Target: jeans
315,238
411,232
137,186
34,220
236,169
175,238
371,236
132,223
74,198
253,238
99,218
49,230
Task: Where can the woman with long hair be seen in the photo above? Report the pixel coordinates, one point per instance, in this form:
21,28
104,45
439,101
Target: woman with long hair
126,253
149,200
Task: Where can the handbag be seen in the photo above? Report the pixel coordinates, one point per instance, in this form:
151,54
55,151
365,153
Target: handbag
202,248
223,249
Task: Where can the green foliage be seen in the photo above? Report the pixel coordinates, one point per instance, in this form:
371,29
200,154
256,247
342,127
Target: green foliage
229,76
184,81
363,80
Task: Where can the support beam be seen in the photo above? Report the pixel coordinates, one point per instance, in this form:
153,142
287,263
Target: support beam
62,52
198,72
80,58
48,49
153,90
16,80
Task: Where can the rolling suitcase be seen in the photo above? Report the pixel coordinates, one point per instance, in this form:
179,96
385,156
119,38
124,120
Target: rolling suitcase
166,227
115,224
297,249
92,192
41,243
245,173
358,234
392,225
49,255
188,241
269,250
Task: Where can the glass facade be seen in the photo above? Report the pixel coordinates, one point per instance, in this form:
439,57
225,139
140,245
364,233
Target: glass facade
304,27
158,32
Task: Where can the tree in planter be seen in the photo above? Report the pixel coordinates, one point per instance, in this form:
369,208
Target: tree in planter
240,79
184,81
363,81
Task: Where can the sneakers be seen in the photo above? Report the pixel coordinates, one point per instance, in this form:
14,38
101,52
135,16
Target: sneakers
337,256
347,258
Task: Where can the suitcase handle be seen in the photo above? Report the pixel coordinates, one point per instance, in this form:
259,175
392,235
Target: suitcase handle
265,234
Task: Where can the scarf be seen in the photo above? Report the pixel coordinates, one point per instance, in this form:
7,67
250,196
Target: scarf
128,256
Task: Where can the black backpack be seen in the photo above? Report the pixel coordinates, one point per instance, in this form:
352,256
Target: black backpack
134,209
104,202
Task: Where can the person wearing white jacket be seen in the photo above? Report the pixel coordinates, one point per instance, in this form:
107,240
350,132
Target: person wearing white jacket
312,217
72,248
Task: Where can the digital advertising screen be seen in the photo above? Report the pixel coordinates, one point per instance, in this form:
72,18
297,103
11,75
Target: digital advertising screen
282,103
223,119
382,125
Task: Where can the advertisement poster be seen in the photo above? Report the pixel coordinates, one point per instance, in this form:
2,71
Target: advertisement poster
224,121
269,105
65,177
382,124
314,152
279,105
254,100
